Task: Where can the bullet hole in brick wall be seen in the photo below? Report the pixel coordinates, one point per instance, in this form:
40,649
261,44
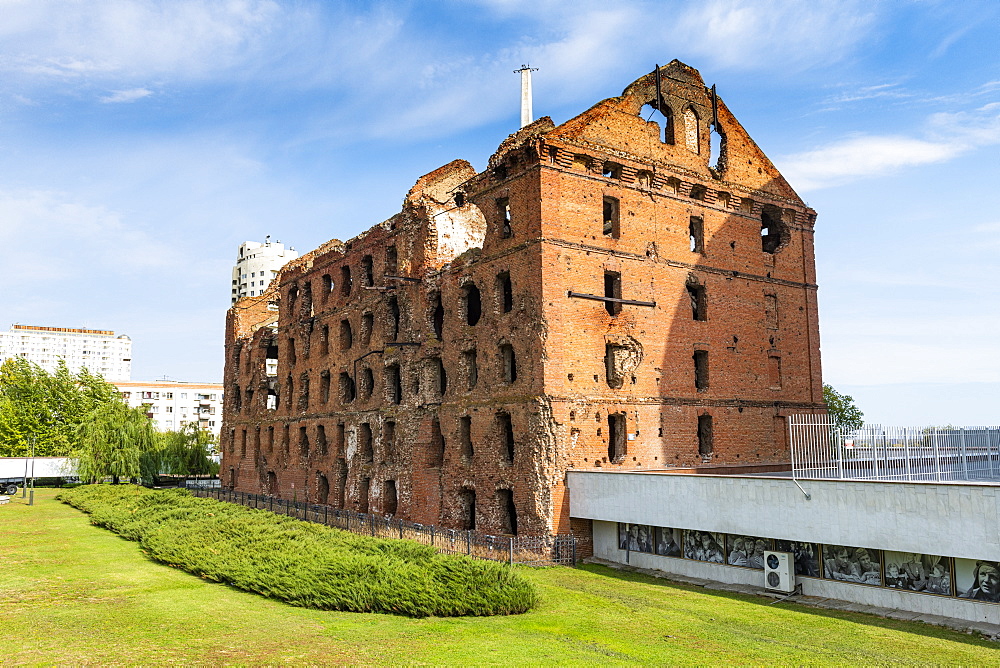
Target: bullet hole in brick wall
471,364
465,435
701,370
365,442
699,193
508,511
506,289
467,508
436,454
393,333
390,499
347,388
346,334
569,377
660,433
291,352
509,362
459,199
437,314
696,234
391,261
572,416
506,429
611,170
611,227
324,386
367,325
617,438
367,271
345,281
367,382
363,494
394,384
321,442
472,304
705,437
303,442
341,483
698,298
389,439
322,489
503,215
613,289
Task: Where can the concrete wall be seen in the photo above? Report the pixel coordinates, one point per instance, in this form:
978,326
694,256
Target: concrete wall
606,547
950,519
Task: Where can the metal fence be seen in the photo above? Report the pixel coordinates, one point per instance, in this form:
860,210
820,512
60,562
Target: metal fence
878,452
527,550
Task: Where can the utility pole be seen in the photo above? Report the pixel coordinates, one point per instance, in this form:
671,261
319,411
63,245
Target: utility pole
526,116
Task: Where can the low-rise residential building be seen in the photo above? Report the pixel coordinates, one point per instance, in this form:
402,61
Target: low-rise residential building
173,404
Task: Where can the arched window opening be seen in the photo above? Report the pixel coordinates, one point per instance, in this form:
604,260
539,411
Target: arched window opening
692,131
472,303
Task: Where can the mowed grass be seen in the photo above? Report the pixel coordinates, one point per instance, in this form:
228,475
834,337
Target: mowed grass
71,593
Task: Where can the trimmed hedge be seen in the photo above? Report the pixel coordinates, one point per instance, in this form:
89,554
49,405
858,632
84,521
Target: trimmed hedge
301,563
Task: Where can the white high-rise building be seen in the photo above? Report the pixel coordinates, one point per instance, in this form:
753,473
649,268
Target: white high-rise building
100,351
257,264
173,404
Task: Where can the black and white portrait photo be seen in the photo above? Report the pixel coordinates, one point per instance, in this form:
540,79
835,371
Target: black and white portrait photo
746,551
635,537
667,541
978,579
918,572
704,546
852,564
805,555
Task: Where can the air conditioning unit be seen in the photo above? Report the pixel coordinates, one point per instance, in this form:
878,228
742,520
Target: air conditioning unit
779,571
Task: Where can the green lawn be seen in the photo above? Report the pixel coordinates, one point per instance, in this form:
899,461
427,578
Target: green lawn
71,593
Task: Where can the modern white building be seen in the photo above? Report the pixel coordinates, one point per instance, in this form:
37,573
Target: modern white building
172,404
257,264
100,351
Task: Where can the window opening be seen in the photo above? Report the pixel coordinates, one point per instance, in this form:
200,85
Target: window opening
465,435
389,439
611,170
394,384
270,439
506,428
341,439
303,442
341,482
509,362
705,436
367,382
365,438
347,388
699,302
617,438
503,213
346,335
717,149
390,499
508,511
304,391
459,199
699,193
391,260
322,489
367,325
321,442
237,398
471,364
506,291
613,289
701,370
437,315
363,494
367,271
291,352
467,504
771,229
393,319
696,234
286,439
327,285
611,224
436,458
692,133
324,386
324,340
473,303
345,280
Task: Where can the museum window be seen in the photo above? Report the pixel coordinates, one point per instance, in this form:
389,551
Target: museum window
367,271
321,442
363,494
509,362
393,333
365,443
503,214
347,388
696,234
391,261
613,289
701,370
394,384
505,427
345,280
303,442
771,311
698,299
508,511
467,505
471,365
390,499
472,304
506,290
774,371
436,454
617,437
611,227
705,436
324,340
346,335
465,435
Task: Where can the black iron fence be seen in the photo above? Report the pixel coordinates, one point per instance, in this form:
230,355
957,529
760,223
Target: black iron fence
527,550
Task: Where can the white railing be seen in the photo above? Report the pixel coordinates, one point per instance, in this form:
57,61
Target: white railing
879,452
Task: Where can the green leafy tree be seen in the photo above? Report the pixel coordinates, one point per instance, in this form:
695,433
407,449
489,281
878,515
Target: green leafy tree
187,451
46,407
118,442
846,416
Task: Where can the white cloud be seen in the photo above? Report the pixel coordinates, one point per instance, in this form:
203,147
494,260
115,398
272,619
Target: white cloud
130,95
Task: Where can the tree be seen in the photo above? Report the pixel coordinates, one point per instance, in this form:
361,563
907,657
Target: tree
846,416
118,442
46,407
187,452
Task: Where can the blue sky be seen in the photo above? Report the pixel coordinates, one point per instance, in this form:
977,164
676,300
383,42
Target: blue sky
142,142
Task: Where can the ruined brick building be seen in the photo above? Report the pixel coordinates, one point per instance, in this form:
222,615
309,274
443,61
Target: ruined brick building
605,294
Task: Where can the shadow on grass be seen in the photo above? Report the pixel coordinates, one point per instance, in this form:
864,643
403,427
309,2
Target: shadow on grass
866,619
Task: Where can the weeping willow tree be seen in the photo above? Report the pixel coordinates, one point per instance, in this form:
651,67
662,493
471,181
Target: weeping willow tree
187,452
118,442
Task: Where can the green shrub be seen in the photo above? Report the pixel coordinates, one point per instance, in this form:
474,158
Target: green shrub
304,564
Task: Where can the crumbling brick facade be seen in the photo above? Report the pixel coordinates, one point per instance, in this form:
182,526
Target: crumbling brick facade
451,363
